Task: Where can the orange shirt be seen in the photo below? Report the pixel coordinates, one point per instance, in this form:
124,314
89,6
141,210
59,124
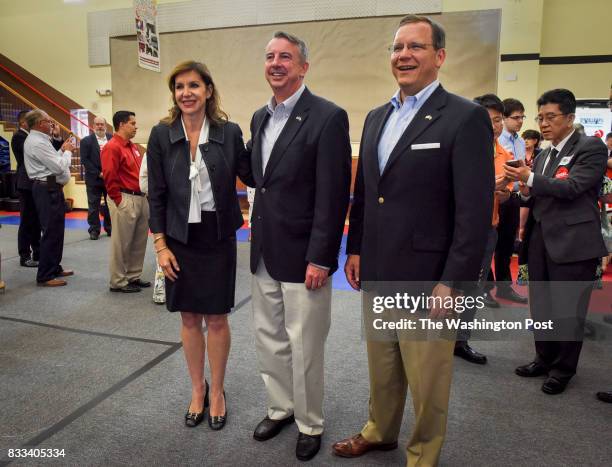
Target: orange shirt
500,157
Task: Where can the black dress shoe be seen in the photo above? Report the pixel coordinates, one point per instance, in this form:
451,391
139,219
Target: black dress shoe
129,288
140,283
489,301
217,422
94,236
307,446
531,370
605,396
510,294
553,385
269,428
28,263
463,350
193,419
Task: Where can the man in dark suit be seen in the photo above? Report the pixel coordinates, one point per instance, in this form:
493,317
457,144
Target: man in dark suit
28,235
301,163
563,237
90,158
421,213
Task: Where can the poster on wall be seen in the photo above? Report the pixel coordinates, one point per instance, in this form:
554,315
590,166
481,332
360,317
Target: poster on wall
596,121
78,123
147,37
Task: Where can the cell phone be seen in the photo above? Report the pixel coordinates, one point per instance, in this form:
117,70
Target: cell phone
515,164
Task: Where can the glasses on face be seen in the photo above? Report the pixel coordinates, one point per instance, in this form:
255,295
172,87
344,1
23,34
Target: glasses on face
546,118
518,118
414,47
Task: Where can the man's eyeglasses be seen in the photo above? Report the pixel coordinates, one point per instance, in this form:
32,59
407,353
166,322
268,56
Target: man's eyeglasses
414,47
518,118
547,118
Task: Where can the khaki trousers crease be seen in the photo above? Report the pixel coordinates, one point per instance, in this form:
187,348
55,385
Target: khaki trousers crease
291,326
426,366
130,221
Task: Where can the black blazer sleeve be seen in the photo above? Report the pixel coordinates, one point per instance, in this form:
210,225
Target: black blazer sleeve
332,190
85,151
587,172
17,142
157,193
355,233
473,177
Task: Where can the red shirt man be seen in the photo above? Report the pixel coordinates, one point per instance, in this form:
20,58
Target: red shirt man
128,206
120,166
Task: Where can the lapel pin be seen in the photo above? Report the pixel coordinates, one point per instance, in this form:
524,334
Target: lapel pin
298,118
428,117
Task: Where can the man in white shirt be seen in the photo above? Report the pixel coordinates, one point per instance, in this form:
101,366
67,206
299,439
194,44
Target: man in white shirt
91,146
49,170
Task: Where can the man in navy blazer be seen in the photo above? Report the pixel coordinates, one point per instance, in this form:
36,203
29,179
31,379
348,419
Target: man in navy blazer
90,158
421,215
300,156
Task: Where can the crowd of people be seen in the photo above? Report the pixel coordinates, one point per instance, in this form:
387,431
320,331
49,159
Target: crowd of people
496,193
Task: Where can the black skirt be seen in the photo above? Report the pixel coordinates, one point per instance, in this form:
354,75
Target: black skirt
207,278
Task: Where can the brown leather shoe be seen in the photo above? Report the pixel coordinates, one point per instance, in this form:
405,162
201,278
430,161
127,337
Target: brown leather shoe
53,283
357,446
66,273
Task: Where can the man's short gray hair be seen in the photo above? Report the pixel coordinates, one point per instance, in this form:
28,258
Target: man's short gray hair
33,117
301,45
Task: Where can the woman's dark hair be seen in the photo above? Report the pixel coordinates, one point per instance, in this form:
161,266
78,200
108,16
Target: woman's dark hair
532,134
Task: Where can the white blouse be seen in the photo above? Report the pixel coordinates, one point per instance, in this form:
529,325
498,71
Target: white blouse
201,188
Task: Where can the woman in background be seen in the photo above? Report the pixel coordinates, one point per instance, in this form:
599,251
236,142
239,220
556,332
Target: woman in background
192,159
532,149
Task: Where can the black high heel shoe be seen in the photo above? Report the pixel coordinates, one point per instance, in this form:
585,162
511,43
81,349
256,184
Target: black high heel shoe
217,422
193,419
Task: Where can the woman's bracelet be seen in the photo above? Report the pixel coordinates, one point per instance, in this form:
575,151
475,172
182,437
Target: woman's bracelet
160,237
161,249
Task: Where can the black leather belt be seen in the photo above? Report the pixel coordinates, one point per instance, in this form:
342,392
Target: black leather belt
130,192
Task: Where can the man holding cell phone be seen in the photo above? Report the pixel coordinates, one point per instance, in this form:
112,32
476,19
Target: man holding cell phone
49,169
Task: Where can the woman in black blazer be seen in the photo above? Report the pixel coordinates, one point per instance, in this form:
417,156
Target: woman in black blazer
192,158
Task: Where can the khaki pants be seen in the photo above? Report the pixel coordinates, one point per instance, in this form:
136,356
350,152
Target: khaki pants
291,326
426,367
130,222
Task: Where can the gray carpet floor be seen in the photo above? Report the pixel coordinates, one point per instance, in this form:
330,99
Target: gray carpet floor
102,376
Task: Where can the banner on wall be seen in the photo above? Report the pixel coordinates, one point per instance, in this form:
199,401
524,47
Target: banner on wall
78,123
147,37
596,121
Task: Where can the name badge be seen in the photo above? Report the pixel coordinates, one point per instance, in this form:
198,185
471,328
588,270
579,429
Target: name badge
416,147
566,160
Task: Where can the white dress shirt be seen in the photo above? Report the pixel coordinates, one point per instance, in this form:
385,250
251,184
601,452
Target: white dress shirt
41,159
279,115
201,189
101,142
